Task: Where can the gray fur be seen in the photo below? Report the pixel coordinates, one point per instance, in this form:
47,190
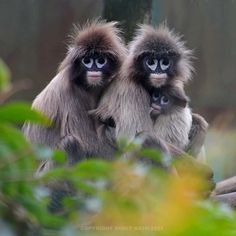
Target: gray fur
197,136
126,100
67,104
174,128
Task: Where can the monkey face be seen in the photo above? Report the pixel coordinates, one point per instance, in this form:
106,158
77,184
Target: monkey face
156,69
94,70
167,100
94,66
160,68
98,68
94,56
160,104
159,57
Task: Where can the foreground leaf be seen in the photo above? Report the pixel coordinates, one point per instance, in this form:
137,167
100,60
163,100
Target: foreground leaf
4,76
19,112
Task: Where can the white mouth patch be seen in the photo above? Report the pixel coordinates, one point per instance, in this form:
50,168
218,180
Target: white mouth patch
157,80
94,77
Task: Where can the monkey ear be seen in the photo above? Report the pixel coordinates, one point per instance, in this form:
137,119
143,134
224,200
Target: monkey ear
180,97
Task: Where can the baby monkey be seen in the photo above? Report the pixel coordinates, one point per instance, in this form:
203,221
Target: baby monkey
171,115
173,120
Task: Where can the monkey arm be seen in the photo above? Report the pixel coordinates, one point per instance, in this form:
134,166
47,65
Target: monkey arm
122,103
108,104
47,102
197,135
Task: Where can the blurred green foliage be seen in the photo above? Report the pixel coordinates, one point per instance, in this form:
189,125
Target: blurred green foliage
117,197
4,76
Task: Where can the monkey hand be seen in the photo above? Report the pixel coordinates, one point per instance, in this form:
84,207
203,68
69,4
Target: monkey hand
71,145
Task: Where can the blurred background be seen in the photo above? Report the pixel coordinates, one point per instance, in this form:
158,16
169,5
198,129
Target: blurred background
34,33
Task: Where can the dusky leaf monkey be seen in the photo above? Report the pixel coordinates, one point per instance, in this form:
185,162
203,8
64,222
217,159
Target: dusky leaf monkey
92,62
157,57
174,121
171,115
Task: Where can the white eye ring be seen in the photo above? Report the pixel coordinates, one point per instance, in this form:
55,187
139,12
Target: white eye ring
164,100
100,65
152,66
164,66
88,64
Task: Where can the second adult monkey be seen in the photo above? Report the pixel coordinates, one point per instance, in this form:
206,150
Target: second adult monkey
157,57
92,62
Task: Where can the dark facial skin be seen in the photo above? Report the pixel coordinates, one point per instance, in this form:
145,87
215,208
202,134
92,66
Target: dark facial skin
164,103
160,103
158,64
93,70
155,69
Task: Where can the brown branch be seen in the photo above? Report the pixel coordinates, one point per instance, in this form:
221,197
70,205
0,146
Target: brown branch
228,198
226,186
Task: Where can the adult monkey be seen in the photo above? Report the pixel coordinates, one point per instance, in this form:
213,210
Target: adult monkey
157,57
92,62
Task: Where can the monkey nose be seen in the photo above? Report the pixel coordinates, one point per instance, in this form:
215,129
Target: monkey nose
155,111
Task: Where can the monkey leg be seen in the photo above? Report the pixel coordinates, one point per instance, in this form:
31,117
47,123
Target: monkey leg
60,189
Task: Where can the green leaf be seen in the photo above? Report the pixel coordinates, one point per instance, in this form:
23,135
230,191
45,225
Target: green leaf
19,112
55,174
59,156
152,154
92,169
12,138
4,76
